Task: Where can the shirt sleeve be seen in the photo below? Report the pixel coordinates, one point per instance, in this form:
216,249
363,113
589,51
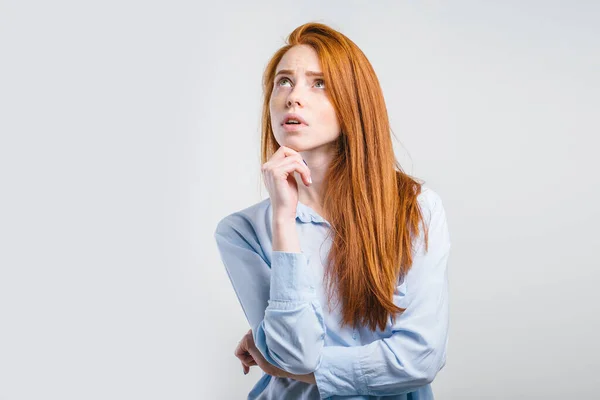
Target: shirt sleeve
278,298
416,350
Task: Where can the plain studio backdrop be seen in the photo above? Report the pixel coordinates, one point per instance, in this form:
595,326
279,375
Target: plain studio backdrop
130,128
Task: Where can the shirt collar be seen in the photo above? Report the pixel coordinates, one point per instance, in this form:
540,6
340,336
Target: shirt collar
306,214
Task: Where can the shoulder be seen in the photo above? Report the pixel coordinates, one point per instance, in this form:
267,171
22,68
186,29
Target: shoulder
434,218
243,235
245,222
429,201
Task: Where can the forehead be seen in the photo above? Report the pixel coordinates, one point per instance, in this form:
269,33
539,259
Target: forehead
300,57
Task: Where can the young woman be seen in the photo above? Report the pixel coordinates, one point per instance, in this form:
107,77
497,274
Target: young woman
342,222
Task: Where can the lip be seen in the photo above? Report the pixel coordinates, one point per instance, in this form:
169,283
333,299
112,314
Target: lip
289,116
293,128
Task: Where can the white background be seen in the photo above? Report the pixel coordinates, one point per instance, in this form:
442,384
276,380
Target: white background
129,128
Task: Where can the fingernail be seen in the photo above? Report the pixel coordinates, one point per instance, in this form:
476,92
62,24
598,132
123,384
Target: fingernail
309,179
305,162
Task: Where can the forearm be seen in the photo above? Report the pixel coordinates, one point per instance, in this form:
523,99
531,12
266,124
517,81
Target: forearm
293,302
285,235
308,378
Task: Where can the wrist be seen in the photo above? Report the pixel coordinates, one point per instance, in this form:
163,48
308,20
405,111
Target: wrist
285,234
284,220
308,378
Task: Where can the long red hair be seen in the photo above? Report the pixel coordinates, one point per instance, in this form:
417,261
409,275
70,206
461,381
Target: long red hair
370,202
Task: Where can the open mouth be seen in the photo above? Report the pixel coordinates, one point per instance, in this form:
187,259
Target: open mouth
292,119
293,126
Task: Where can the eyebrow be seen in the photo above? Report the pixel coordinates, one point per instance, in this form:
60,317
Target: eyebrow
290,72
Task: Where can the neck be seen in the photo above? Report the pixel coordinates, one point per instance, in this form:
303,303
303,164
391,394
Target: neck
312,195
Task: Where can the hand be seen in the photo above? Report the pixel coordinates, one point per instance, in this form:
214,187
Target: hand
249,355
241,352
278,174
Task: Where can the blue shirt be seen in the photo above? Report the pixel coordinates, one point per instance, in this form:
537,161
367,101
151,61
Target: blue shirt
283,298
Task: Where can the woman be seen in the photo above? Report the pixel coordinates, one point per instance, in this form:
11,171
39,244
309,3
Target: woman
342,221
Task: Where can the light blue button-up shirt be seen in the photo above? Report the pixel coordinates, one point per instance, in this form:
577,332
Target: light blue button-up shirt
283,297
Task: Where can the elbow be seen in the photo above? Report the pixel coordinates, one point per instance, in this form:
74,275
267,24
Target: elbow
303,368
435,360
423,372
312,361
295,342
438,360
296,357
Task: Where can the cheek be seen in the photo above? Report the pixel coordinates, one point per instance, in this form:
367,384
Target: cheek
327,115
278,93
274,106
277,101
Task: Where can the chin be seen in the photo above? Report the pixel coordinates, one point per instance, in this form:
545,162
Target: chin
293,145
291,140
297,143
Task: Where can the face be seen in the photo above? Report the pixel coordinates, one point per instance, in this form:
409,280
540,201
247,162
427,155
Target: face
299,91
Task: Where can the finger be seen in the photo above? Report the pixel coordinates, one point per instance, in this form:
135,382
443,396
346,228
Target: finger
250,345
250,363
303,170
240,350
282,152
285,168
246,366
242,346
255,353
249,341
271,167
246,358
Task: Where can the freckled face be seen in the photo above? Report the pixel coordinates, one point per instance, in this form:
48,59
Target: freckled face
300,91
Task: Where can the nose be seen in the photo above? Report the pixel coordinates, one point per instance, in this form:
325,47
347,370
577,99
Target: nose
294,98
289,102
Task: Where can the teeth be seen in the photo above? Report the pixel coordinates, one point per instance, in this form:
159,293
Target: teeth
292,121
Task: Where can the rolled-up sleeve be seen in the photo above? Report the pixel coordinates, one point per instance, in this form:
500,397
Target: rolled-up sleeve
278,298
416,350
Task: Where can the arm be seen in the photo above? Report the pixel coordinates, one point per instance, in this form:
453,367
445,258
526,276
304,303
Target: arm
279,300
285,235
416,349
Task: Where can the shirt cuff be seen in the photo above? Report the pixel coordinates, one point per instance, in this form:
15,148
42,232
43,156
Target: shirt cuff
292,279
340,373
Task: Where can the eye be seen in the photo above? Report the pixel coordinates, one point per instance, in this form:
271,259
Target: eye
281,80
322,82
